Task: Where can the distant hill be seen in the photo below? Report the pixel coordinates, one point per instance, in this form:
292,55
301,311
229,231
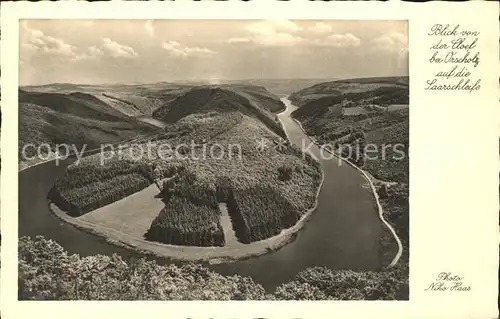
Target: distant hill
252,101
72,118
375,87
130,99
280,86
258,95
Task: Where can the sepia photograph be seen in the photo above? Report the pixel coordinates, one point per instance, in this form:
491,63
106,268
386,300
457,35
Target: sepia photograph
177,159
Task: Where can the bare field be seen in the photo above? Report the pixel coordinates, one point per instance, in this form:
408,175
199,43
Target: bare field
131,215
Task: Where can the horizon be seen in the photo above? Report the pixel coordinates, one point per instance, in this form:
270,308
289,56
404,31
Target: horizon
207,80
152,51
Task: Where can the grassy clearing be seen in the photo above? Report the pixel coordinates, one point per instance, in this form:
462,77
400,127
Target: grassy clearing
132,215
231,240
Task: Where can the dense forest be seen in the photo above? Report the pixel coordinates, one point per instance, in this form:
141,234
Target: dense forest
48,272
182,222
223,99
253,191
87,186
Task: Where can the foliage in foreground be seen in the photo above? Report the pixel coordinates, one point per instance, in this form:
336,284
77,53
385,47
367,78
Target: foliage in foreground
320,283
47,272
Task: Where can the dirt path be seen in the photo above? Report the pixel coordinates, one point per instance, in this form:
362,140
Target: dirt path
227,225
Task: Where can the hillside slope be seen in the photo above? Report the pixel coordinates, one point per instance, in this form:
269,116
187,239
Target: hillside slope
129,99
358,112
72,118
378,90
367,122
252,101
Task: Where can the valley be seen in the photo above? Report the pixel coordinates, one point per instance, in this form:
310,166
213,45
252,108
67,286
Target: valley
48,119
374,137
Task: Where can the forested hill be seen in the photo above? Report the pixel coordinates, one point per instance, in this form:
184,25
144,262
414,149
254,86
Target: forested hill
78,104
267,189
393,89
73,118
129,99
255,102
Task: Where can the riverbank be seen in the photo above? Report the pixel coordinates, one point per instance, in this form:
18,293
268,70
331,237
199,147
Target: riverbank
36,161
52,156
368,177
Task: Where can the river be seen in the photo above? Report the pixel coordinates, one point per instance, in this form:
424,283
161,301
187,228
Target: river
343,231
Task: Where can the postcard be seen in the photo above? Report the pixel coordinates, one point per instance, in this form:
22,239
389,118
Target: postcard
206,159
